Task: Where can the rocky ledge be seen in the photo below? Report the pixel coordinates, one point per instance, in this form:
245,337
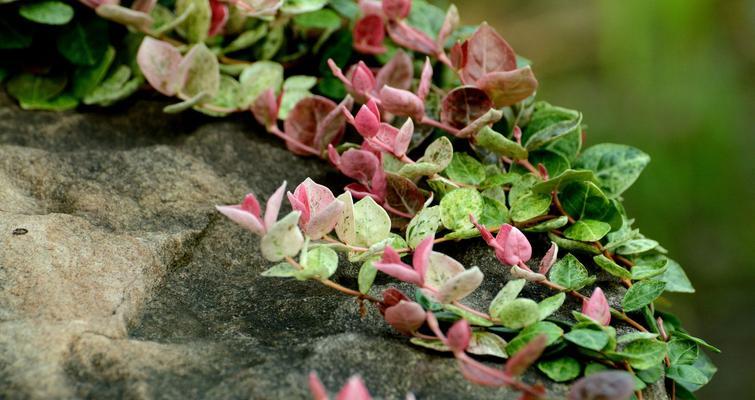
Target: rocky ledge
119,280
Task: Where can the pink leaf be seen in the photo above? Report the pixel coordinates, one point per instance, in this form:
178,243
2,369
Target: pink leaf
316,387
361,165
411,38
324,220
251,204
392,265
371,7
244,218
526,356
362,79
485,52
449,25
481,374
273,206
401,102
403,138
516,247
331,128
304,119
425,79
159,62
369,34
354,390
596,307
421,257
366,121
548,259
458,336
463,105
405,317
397,9
219,17
507,88
265,108
397,73
299,202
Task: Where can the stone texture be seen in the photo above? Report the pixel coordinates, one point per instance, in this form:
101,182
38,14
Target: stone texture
118,279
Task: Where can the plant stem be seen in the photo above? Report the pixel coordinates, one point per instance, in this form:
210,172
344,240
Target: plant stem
437,124
277,132
336,286
560,208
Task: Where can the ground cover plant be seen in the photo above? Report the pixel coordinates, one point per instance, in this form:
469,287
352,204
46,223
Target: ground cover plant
439,128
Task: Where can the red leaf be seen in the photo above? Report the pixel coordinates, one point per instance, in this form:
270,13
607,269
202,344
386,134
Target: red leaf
369,35
526,356
486,52
403,194
463,105
596,307
362,79
548,259
331,128
458,336
506,88
354,390
402,102
265,108
304,119
219,17
411,38
316,387
405,317
397,73
397,9
481,374
425,79
367,120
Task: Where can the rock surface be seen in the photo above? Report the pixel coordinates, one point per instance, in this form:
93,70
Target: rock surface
118,279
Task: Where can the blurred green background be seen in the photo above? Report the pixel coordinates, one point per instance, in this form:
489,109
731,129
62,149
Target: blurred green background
674,78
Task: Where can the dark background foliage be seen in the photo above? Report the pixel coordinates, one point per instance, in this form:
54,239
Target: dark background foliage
674,78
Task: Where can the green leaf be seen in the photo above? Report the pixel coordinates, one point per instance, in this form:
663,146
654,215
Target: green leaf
594,367
616,166
494,213
426,17
529,206
86,79
650,375
367,275
552,331
566,177
572,245
570,273
257,78
84,43
246,39
641,294
554,163
645,353
493,141
675,278
226,99
560,369
320,262
551,304
371,223
637,246
465,169
432,344
456,206
50,12
612,268
587,230
283,239
682,351
424,224
197,24
321,19
686,374
302,6
584,200
519,313
650,269
632,336
14,35
346,225
685,335
347,8
281,270
202,72
487,344
588,338
548,225
553,132
31,89
507,293
473,319
440,153
118,86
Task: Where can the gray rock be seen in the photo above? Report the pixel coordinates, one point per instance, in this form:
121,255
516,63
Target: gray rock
118,279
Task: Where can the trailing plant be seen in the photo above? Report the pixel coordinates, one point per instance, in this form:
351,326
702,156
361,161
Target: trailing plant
446,143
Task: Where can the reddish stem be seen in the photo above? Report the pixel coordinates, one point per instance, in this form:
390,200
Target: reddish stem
437,124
